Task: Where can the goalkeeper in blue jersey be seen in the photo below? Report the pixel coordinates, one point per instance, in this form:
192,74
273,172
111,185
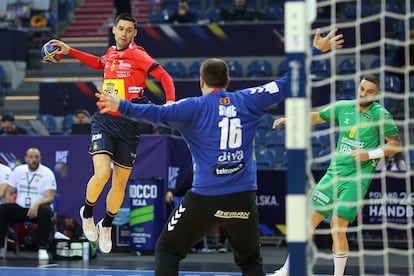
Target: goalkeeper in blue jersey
363,125
219,128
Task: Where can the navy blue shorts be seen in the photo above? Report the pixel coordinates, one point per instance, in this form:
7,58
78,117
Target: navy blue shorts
115,136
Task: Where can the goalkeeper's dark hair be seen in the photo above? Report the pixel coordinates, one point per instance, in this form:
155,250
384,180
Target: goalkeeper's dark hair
372,78
127,17
215,73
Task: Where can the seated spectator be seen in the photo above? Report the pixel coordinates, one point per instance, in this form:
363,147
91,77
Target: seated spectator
183,14
240,12
82,122
9,127
82,116
36,184
5,173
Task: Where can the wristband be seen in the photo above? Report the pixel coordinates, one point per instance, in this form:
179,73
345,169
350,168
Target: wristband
376,153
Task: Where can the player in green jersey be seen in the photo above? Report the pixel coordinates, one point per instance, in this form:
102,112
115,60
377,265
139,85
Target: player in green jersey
364,125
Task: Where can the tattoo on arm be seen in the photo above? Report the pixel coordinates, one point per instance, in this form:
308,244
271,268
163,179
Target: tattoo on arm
394,137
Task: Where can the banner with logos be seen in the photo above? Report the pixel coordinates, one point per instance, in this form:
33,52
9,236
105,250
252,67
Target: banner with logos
147,213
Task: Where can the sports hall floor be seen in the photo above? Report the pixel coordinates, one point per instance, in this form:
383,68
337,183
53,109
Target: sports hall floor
196,264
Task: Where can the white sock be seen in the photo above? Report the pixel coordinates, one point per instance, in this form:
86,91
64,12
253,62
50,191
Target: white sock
340,263
286,265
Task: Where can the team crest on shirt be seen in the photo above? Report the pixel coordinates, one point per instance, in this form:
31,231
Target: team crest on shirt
114,87
225,100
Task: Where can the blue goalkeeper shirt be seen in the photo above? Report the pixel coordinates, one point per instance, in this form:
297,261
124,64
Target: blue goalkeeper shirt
219,129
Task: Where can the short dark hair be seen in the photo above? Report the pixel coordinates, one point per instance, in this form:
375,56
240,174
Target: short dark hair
83,111
127,17
372,78
215,72
7,117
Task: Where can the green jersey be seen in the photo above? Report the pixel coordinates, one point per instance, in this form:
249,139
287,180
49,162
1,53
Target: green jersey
365,130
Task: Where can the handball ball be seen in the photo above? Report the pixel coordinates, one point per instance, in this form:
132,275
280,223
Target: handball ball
48,53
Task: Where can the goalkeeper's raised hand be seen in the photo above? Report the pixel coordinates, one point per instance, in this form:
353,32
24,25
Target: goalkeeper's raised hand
328,42
107,102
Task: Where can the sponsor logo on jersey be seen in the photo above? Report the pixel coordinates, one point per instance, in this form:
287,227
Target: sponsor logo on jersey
321,196
135,90
232,214
123,64
231,156
351,142
228,169
96,136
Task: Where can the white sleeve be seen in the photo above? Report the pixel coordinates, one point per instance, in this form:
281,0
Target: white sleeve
5,174
14,177
50,181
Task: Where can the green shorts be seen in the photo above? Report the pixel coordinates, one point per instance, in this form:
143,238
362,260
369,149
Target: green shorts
340,196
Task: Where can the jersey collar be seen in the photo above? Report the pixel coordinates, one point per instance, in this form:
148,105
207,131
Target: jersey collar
215,90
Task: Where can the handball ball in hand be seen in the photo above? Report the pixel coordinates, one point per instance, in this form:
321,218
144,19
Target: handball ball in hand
48,53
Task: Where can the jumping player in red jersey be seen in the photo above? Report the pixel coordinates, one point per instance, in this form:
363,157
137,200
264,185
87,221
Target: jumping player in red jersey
126,66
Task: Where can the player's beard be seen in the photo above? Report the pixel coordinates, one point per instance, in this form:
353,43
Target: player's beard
33,166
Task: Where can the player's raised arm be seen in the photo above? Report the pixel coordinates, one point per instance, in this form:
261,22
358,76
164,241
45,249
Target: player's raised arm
64,48
86,58
166,81
329,42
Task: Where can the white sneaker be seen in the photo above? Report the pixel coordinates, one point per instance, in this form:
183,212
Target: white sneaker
280,272
88,227
105,241
43,255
